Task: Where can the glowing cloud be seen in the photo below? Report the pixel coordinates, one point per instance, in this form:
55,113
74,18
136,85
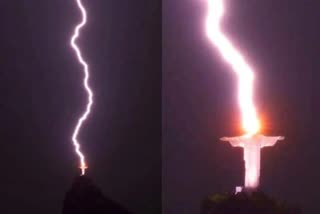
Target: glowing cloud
84,116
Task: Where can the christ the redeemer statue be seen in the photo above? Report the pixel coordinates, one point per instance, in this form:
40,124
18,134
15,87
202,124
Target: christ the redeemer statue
251,146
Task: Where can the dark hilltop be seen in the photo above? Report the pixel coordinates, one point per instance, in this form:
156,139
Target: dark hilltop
86,198
246,203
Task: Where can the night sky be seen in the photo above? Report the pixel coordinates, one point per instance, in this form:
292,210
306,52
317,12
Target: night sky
42,96
280,39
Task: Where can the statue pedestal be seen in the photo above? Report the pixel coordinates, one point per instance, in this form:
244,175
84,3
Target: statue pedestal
247,190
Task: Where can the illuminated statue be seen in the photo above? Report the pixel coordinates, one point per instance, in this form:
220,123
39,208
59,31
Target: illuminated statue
251,147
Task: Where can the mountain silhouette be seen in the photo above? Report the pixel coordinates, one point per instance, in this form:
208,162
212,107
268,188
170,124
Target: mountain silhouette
85,198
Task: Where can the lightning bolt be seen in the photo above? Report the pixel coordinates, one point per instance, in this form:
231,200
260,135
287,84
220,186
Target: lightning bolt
251,142
250,121
85,66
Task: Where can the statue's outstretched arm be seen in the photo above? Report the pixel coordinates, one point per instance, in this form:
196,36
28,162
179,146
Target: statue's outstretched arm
270,141
234,141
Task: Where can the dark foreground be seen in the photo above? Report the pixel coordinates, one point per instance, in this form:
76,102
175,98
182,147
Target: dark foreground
85,198
242,203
